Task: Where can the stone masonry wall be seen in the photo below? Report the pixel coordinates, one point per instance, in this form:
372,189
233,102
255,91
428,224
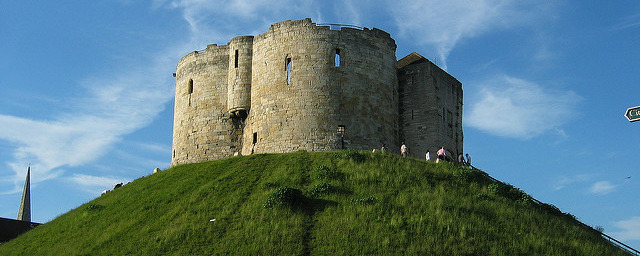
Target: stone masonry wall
431,109
202,128
304,111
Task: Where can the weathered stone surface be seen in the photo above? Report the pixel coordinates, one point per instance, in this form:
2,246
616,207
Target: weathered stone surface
430,107
283,91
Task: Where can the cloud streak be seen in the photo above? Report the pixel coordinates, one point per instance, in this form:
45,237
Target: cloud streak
112,108
443,24
438,24
628,22
630,229
515,108
565,181
95,184
602,188
213,21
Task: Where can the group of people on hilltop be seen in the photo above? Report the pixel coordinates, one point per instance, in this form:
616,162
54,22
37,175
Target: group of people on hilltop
463,161
441,155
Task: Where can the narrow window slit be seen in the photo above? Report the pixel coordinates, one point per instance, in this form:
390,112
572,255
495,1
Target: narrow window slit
288,68
236,60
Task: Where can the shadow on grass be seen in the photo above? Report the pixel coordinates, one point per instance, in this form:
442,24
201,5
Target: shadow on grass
315,205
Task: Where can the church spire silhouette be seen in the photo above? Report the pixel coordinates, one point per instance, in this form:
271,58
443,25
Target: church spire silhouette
24,213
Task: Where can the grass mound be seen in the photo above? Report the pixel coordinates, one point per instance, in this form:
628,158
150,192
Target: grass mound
338,203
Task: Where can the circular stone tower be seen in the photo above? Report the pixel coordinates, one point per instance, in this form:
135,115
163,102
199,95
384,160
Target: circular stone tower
203,128
309,81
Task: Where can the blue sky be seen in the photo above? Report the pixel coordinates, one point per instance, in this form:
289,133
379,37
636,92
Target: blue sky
87,90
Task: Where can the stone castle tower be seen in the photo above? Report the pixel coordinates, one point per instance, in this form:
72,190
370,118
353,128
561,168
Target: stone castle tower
293,87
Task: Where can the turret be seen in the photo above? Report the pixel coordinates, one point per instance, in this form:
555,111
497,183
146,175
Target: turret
239,77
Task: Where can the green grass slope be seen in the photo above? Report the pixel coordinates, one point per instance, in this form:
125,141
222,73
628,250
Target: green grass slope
325,203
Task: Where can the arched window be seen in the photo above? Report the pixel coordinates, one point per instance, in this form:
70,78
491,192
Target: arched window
288,68
336,60
190,87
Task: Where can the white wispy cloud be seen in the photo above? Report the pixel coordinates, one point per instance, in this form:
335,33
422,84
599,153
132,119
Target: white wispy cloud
628,22
602,188
439,24
94,181
565,181
630,229
153,147
111,107
95,184
443,24
516,108
214,21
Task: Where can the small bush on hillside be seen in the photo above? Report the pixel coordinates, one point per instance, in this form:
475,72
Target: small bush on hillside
324,172
552,209
285,196
494,188
354,155
481,196
526,199
94,207
365,200
322,189
470,175
270,185
510,192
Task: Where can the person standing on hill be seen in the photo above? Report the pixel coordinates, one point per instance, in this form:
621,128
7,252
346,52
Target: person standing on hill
461,159
442,154
468,160
428,156
383,149
404,150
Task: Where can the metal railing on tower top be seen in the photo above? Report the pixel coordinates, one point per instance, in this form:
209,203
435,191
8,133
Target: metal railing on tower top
335,26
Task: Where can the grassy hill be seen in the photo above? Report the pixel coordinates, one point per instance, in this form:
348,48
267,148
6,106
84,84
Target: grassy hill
325,203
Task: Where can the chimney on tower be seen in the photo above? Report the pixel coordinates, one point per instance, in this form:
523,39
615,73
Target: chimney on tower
24,213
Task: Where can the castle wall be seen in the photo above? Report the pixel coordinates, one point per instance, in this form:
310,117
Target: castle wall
202,127
430,109
299,96
291,87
